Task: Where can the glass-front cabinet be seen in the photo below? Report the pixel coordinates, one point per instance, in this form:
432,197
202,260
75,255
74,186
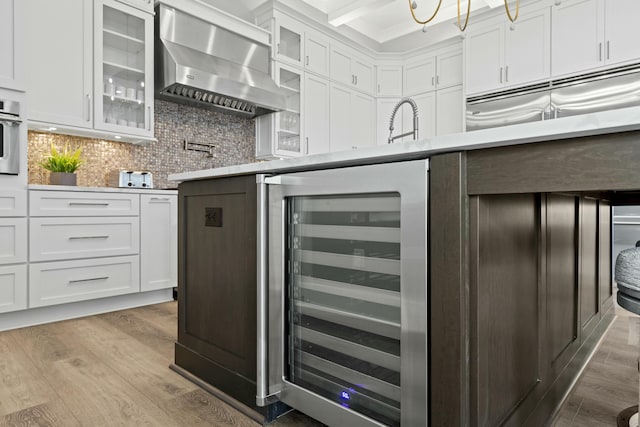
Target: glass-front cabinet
123,69
278,134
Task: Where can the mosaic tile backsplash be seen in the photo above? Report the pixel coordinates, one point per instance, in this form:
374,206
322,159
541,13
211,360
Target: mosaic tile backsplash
233,137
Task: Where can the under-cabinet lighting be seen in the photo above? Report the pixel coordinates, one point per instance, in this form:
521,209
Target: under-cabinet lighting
117,137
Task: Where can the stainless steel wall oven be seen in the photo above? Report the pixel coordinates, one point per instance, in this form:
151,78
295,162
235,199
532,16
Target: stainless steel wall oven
343,298
9,137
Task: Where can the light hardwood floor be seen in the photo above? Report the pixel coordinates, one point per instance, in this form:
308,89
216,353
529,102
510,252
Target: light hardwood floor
112,369
106,370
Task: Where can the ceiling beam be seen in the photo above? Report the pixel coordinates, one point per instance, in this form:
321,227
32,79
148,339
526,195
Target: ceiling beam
341,12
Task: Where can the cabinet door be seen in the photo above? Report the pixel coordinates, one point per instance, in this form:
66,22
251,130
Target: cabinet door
13,288
11,50
426,116
449,69
389,80
484,54
622,31
340,120
289,36
578,35
13,240
449,115
341,66
288,124
59,62
362,120
123,69
363,75
316,114
316,54
419,77
158,242
528,48
384,108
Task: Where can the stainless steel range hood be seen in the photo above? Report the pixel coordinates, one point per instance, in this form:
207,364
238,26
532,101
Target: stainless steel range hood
207,66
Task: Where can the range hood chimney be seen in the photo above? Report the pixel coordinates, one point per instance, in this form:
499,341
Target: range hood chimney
208,66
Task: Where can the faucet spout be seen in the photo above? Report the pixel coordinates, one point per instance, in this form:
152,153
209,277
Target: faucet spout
414,132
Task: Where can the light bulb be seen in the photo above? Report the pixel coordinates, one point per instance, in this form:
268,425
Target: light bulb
414,5
424,28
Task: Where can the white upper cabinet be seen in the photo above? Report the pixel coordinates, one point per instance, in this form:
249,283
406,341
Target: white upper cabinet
441,70
316,53
316,114
11,48
123,69
288,40
622,31
449,69
352,119
419,77
589,34
500,55
389,80
578,34
59,62
95,72
350,69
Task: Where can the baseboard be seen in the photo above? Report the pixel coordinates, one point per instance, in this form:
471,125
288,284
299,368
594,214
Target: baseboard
59,312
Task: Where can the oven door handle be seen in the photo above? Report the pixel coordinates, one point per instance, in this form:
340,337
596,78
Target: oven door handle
263,397
9,118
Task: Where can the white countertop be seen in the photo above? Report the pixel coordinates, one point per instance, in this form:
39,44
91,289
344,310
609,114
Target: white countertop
101,189
620,120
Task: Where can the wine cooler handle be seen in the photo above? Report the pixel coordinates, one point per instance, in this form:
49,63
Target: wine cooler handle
263,398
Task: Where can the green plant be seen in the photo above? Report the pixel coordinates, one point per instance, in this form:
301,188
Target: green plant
62,161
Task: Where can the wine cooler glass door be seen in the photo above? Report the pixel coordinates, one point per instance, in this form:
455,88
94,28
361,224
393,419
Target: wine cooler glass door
350,263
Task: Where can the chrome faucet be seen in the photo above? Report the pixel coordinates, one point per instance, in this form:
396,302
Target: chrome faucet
414,107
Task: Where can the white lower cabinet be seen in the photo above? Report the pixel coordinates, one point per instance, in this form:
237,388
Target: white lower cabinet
69,238
78,280
13,240
13,288
158,242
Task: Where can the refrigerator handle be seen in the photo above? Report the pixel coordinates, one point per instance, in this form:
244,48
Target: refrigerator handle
263,398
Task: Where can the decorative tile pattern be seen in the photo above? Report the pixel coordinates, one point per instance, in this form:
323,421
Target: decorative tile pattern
233,138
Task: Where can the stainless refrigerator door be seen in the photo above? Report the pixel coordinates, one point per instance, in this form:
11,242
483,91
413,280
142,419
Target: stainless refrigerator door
347,292
508,110
596,95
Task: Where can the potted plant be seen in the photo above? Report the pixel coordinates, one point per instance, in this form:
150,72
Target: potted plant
62,165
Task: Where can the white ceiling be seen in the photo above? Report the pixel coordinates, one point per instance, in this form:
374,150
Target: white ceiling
379,20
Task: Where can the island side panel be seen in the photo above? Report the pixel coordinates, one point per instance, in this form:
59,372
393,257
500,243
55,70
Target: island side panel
217,284
448,291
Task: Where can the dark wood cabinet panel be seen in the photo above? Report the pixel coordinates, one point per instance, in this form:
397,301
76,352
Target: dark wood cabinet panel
505,256
605,243
562,277
217,284
589,303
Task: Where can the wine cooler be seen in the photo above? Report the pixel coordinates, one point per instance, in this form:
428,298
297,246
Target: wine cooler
343,294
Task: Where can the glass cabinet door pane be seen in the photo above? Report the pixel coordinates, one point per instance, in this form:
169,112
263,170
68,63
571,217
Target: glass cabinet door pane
288,131
343,287
290,44
123,68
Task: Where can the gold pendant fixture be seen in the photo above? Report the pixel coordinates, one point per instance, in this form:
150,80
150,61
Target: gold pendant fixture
413,5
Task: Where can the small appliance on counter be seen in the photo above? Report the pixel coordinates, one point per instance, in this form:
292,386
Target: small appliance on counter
130,179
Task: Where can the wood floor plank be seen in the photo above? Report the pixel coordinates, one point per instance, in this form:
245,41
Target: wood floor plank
206,410
20,386
53,414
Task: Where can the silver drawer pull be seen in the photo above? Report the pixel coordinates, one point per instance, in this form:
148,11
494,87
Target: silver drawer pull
160,199
89,280
87,204
87,237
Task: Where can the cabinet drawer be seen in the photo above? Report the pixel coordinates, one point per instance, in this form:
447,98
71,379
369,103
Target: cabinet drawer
53,239
69,281
13,202
13,287
68,203
13,240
